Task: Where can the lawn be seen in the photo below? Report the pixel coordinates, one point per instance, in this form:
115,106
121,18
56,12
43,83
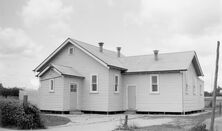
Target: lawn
50,120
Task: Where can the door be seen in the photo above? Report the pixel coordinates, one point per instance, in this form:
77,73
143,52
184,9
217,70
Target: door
132,97
73,96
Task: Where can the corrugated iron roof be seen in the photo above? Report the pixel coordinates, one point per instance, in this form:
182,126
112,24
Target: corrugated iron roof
143,63
107,56
66,70
166,61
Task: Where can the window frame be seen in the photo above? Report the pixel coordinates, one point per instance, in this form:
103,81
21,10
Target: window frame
151,84
187,83
194,87
97,81
116,91
201,94
194,90
187,89
73,50
50,85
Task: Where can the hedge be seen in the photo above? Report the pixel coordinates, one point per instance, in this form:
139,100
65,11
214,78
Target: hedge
15,114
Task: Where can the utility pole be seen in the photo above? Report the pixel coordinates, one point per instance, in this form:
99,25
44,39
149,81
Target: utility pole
215,88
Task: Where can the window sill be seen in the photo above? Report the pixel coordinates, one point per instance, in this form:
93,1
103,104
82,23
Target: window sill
154,93
93,92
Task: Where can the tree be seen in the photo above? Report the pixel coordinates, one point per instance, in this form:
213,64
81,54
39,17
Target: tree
206,93
9,91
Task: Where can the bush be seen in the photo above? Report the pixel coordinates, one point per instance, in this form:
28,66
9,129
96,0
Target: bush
15,114
201,127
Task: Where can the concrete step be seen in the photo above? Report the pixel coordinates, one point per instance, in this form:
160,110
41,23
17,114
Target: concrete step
75,112
130,112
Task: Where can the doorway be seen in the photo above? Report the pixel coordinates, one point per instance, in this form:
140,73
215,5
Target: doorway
131,97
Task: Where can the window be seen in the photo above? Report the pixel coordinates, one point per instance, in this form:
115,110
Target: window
116,84
201,90
94,83
73,87
71,50
154,84
194,86
187,85
51,85
187,89
194,90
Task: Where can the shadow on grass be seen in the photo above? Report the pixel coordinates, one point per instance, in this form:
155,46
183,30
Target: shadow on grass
50,120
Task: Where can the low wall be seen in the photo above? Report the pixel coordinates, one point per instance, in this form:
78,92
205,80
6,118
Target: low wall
209,99
33,96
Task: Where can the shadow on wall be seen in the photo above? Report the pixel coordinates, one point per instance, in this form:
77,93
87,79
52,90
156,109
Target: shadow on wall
33,96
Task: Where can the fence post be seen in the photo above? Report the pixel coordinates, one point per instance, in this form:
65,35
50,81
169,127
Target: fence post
215,87
25,100
126,122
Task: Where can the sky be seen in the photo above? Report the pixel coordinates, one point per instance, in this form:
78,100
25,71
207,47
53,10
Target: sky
31,29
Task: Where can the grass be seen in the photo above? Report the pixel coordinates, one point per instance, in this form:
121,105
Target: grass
50,120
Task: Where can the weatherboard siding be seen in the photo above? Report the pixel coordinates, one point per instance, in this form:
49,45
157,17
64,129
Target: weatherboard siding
86,66
115,99
51,100
193,100
169,98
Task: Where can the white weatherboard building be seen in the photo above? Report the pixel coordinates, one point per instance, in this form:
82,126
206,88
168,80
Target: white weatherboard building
80,76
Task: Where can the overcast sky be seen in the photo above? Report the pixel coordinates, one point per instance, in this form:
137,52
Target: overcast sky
31,29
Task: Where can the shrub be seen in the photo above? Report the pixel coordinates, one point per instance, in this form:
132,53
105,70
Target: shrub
201,127
15,114
124,125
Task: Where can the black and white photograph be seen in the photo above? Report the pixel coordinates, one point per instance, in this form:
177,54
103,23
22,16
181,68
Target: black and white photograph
110,65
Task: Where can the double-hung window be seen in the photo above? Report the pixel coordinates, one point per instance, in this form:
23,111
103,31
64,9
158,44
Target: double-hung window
194,90
51,85
116,84
94,84
154,83
186,85
194,86
201,90
187,89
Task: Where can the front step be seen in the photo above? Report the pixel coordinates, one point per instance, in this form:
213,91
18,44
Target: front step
130,112
75,112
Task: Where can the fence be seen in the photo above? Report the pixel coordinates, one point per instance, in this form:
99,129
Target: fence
33,96
208,101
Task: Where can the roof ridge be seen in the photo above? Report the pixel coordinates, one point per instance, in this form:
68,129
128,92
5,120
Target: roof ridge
161,53
93,45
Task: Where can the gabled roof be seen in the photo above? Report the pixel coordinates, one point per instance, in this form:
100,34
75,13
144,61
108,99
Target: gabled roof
107,58
177,61
62,70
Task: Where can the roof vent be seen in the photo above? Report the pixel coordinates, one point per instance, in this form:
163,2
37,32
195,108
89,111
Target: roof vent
155,54
118,51
101,46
